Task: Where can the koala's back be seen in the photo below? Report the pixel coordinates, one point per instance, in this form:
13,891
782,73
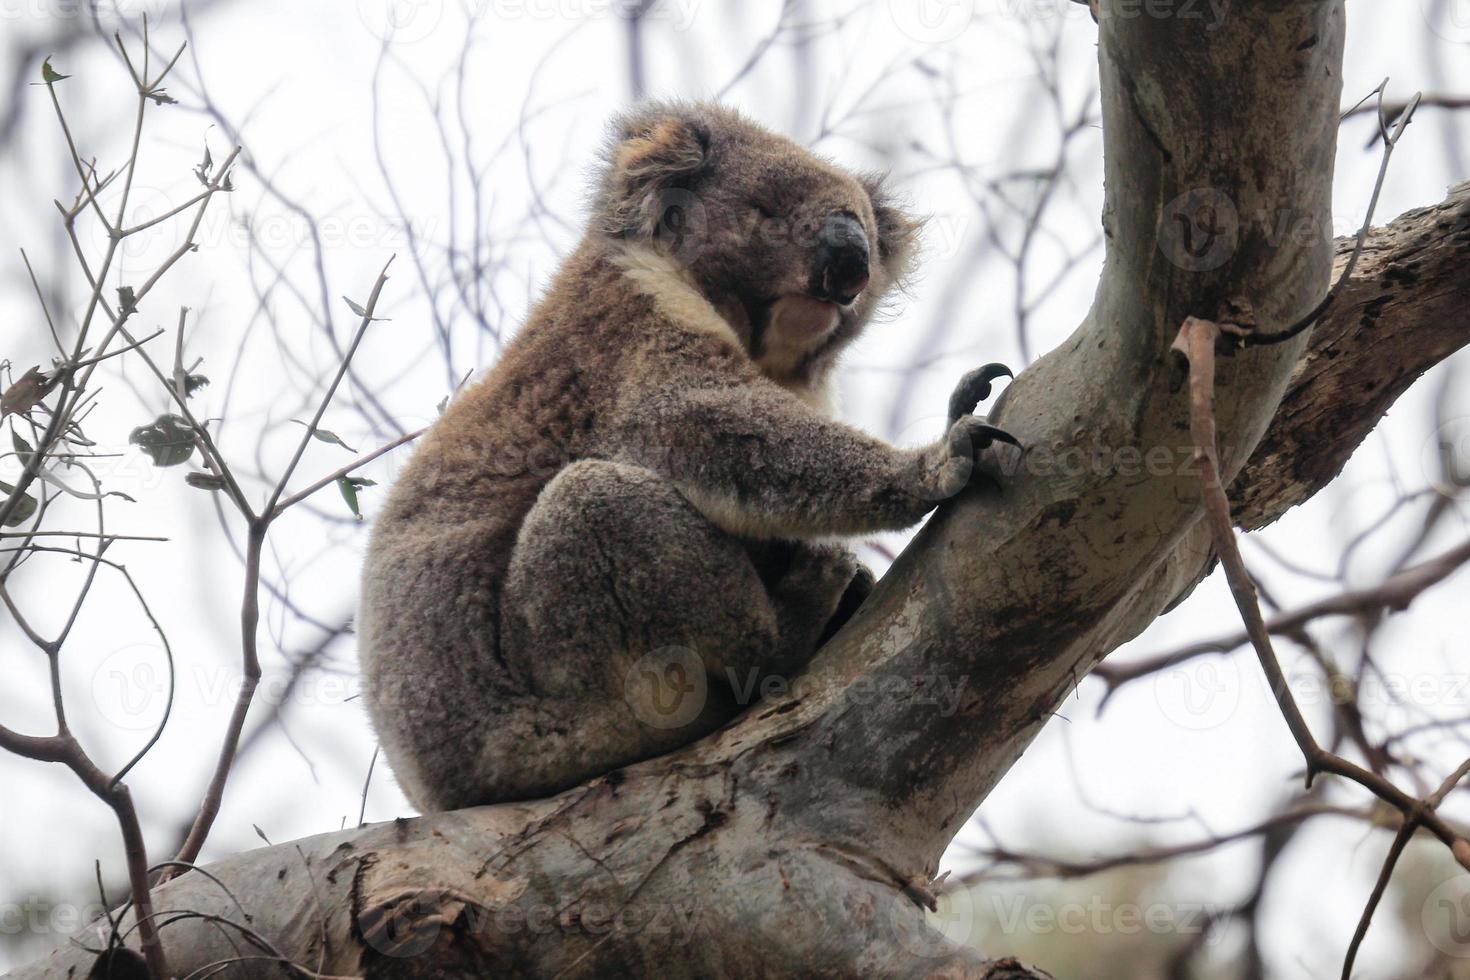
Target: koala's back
430,625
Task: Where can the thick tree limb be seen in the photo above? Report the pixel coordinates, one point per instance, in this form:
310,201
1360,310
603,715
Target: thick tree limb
803,839
1403,311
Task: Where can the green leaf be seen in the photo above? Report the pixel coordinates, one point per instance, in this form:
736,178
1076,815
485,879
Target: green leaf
327,436
168,440
23,449
27,392
205,481
127,301
349,485
205,166
23,510
49,74
161,97
360,310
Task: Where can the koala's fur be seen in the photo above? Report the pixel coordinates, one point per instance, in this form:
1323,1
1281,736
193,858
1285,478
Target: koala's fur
648,467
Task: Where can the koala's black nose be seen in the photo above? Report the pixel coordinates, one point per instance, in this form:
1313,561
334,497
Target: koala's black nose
840,268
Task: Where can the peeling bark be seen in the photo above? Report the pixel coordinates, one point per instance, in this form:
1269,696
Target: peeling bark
802,839
1405,309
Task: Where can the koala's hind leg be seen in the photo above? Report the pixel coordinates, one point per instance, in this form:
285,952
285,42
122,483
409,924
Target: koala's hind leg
815,588
633,622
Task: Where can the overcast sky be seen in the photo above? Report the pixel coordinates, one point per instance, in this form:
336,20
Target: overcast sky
341,123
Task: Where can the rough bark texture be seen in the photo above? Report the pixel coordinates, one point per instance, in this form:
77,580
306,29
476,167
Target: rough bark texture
1405,309
801,839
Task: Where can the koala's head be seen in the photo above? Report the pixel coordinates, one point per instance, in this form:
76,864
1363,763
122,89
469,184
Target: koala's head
792,250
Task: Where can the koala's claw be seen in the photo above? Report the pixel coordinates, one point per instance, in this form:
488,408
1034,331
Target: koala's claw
982,435
996,434
974,388
966,458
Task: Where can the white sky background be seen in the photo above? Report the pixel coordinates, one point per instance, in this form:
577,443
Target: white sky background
542,77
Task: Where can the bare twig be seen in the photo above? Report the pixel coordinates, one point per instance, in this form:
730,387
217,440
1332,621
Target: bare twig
1390,142
1395,851
1394,593
250,608
1197,341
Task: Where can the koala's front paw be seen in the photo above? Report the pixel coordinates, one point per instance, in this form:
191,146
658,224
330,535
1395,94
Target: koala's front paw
961,449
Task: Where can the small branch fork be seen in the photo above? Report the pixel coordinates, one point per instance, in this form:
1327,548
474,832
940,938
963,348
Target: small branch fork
258,525
1390,130
1197,342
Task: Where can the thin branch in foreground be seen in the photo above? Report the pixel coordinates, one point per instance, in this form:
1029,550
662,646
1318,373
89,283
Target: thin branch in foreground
250,608
343,471
1390,142
1197,341
1395,850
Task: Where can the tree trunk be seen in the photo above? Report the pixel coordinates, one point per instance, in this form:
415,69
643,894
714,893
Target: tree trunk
803,838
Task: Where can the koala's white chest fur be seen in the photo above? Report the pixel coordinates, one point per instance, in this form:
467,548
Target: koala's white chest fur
673,294
797,324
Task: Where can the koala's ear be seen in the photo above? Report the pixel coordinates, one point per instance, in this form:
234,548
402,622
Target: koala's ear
650,156
898,231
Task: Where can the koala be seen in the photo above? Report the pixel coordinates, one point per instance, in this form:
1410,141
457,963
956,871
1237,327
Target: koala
649,475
